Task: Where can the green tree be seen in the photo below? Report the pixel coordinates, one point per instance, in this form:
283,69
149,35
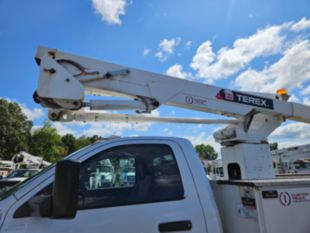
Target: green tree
46,142
82,142
206,152
273,146
95,138
69,143
14,129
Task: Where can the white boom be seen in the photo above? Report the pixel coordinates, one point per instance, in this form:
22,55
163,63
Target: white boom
65,80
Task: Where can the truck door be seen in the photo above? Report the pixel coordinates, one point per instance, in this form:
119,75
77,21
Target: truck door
143,186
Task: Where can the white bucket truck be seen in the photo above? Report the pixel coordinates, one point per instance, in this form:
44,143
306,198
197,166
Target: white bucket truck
170,191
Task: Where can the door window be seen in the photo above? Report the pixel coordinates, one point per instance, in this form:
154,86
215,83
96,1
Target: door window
123,175
130,174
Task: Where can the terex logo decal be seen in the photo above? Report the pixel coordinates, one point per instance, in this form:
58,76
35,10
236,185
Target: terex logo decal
242,98
225,95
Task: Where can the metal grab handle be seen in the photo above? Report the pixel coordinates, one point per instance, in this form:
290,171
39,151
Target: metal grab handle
175,226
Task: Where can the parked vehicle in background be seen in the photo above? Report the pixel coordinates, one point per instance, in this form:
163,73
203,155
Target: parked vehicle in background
127,177
292,160
15,177
215,170
6,167
24,160
101,175
21,174
302,166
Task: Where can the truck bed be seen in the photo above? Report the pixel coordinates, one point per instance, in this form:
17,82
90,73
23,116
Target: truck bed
264,206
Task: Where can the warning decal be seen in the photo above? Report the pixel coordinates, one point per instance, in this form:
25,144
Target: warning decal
286,198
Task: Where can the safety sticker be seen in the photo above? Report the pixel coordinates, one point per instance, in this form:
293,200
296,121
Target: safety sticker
247,213
192,100
287,199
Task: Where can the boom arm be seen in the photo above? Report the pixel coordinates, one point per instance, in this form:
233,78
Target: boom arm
66,79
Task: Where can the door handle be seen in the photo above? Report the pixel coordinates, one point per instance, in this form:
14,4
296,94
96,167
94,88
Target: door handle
185,225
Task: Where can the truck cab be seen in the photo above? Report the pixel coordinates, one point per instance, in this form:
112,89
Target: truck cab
174,199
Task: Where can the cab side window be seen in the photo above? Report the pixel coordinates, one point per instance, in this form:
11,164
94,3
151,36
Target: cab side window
130,174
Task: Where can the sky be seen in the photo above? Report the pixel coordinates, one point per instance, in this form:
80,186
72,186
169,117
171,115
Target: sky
253,45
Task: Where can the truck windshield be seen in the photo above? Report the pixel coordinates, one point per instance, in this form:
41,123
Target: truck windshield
5,193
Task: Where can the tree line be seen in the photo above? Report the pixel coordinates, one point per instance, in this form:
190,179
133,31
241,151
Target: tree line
17,134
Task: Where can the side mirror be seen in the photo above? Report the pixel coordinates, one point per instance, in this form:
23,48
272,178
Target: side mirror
64,200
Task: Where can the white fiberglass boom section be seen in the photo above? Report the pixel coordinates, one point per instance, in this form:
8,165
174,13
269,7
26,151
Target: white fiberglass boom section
66,79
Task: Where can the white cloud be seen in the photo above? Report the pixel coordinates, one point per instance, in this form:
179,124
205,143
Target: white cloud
202,138
296,130
63,128
228,61
177,71
160,56
290,72
301,25
167,132
188,44
296,133
294,98
166,47
146,52
306,91
34,128
306,101
251,80
293,69
32,114
110,10
203,57
106,129
169,45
